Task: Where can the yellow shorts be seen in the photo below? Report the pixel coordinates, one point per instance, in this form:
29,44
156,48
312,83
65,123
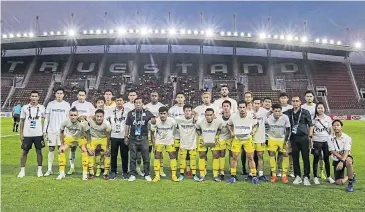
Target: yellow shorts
260,147
161,147
192,152
229,144
177,143
247,145
94,143
220,146
72,142
275,145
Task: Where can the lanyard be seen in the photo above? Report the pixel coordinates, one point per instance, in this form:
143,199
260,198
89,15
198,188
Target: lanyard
135,118
30,114
338,147
115,115
292,117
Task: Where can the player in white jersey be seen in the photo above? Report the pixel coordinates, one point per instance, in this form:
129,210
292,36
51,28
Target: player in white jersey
56,112
321,131
278,135
100,130
200,110
99,153
224,96
248,99
186,126
283,98
242,127
164,139
259,137
109,103
31,132
85,109
208,130
309,105
175,111
128,106
339,144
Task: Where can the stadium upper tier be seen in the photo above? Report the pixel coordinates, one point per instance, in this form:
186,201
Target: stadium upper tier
171,73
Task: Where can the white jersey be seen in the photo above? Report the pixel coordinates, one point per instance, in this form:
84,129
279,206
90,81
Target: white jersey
261,116
200,110
56,113
340,145
84,109
311,109
129,106
110,106
209,130
322,128
277,127
234,106
225,133
287,107
32,116
75,129
164,133
153,108
99,131
242,127
187,131
174,112
117,119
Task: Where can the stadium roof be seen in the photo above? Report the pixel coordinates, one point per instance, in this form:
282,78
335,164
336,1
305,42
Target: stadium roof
176,39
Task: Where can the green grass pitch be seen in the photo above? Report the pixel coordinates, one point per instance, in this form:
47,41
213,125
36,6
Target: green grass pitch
72,194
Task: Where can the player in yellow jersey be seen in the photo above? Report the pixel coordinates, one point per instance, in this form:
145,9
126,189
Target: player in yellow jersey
100,131
242,127
71,134
99,153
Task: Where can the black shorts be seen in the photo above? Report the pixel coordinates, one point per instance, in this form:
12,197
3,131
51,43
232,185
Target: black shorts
28,141
340,173
16,118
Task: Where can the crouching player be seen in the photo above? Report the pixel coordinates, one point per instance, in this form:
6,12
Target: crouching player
71,134
278,133
339,144
100,131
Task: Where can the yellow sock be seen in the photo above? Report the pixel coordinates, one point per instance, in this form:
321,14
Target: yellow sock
91,164
156,167
173,166
285,165
62,161
272,165
84,158
222,162
106,165
102,159
253,172
97,159
161,165
234,171
193,163
187,164
215,167
202,167
182,156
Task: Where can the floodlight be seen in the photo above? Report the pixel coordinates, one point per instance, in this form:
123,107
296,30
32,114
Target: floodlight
196,32
5,36
172,31
358,45
304,39
276,36
262,35
130,31
249,35
156,31
104,31
282,37
58,33
45,33
202,32
18,35
317,40
182,31
229,33
222,33
163,31
339,42
289,37
189,31
209,33
98,31
71,32
51,33
84,32
11,35
296,38
324,41
31,34
332,41
65,32
111,31
150,31
268,36
242,34
25,35
144,31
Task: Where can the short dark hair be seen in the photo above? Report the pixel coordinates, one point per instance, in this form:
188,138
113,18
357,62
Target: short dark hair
224,86
108,90
248,92
267,98
227,102
209,109
337,120
283,94
99,111
34,91
119,96
163,109
81,90
276,106
73,109
242,102
256,98
100,99
309,91
180,93
187,106
59,89
132,91
138,98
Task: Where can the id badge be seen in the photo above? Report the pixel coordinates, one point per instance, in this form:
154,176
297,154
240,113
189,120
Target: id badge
117,128
295,129
138,131
32,124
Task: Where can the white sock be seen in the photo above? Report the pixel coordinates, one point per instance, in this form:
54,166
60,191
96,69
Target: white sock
39,168
50,160
72,159
261,173
22,169
62,172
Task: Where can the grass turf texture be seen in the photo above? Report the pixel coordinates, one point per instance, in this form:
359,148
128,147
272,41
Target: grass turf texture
46,194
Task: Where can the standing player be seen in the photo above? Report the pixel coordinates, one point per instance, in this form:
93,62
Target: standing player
16,116
164,139
339,145
132,95
154,105
224,96
248,100
200,110
309,105
283,98
175,111
187,130
85,109
100,130
31,132
56,113
278,135
242,127
109,103
208,130
99,153
72,133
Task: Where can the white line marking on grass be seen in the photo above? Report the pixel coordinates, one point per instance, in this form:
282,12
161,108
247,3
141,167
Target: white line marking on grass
5,136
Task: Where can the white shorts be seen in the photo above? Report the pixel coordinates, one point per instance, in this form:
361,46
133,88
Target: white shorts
54,139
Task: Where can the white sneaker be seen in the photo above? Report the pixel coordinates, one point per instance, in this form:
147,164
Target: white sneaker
61,176
148,178
162,173
278,174
297,181
330,180
48,173
291,175
306,181
316,181
84,176
21,174
132,178
40,174
139,172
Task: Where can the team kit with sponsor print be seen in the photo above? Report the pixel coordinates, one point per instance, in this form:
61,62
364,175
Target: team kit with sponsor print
185,133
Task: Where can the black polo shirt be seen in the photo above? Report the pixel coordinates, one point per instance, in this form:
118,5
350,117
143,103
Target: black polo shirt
304,123
138,119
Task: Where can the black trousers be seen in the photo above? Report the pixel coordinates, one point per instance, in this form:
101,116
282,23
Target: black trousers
300,144
117,144
139,144
318,148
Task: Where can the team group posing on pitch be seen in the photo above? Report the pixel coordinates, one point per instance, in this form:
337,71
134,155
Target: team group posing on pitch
250,127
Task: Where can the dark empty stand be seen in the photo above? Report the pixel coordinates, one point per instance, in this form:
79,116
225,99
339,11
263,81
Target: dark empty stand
359,73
